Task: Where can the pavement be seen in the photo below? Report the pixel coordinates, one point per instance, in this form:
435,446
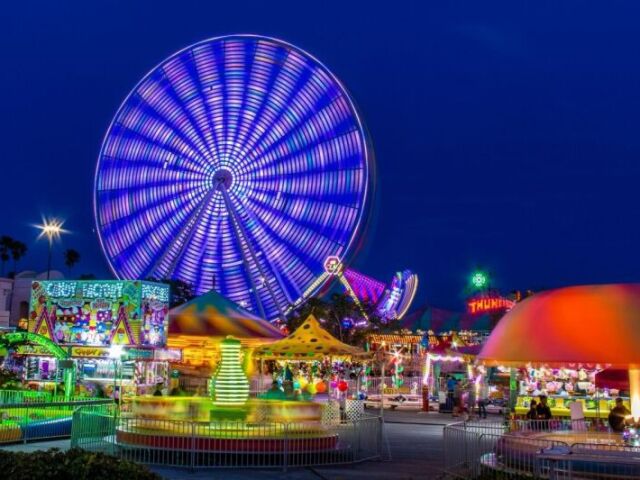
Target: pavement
414,451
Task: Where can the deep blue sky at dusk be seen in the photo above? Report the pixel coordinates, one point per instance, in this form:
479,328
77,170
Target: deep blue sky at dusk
506,133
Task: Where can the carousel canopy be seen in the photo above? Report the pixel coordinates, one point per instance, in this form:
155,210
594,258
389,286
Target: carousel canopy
439,320
212,315
597,324
310,341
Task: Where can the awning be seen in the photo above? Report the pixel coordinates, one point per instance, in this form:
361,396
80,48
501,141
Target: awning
309,342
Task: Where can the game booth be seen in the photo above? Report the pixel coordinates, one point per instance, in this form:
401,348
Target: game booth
115,331
557,341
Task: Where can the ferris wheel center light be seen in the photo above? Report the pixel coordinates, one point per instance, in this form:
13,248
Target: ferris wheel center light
223,178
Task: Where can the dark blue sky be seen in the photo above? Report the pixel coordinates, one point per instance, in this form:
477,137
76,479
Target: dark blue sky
506,133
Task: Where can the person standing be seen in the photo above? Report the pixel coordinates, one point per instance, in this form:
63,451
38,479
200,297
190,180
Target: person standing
483,399
457,399
544,412
451,385
618,416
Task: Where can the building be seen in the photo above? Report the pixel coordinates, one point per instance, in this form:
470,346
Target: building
6,286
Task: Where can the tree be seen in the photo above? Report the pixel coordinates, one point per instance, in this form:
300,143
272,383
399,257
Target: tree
181,291
5,249
18,250
71,257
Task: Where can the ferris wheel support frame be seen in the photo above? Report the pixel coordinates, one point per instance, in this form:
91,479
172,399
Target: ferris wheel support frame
241,235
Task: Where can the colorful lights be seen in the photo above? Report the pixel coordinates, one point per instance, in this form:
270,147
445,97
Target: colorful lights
51,228
479,280
489,303
231,387
100,313
239,164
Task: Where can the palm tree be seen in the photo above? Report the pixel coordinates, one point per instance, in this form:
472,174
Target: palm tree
71,257
18,250
5,247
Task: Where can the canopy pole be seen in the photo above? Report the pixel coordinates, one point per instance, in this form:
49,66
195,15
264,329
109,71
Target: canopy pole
634,392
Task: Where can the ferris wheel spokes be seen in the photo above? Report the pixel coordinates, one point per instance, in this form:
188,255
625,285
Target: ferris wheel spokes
223,180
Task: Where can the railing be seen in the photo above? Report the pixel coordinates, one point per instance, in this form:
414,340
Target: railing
487,450
23,422
34,396
228,444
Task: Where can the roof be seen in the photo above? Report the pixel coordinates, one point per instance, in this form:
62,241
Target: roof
394,338
439,320
309,341
593,324
213,315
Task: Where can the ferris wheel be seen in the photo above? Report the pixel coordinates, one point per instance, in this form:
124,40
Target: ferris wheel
238,164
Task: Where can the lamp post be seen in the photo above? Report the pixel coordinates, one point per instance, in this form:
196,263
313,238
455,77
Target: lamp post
52,229
115,353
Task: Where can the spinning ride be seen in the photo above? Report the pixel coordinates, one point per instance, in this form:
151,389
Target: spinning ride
392,300
238,164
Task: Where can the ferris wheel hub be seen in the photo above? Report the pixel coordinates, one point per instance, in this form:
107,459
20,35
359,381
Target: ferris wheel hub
222,178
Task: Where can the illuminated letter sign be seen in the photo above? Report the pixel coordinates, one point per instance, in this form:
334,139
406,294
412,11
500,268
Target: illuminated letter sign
489,304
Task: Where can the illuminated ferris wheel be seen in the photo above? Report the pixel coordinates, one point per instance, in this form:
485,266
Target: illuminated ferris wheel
238,164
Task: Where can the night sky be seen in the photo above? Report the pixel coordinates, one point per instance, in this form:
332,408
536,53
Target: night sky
506,133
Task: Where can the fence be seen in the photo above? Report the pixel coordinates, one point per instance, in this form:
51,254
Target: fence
34,396
23,422
228,444
487,450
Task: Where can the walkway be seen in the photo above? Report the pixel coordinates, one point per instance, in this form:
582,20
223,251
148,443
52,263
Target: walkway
414,440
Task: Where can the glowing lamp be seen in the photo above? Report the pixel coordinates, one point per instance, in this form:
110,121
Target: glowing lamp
479,280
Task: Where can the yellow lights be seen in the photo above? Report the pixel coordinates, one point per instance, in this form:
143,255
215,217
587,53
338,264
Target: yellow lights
634,392
51,228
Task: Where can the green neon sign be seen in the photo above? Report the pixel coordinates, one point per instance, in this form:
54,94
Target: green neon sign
16,338
479,280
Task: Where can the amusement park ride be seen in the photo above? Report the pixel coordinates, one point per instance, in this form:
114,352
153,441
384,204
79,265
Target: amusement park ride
391,301
240,164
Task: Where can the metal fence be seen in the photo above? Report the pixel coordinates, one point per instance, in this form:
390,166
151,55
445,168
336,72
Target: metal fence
35,396
488,450
23,422
228,444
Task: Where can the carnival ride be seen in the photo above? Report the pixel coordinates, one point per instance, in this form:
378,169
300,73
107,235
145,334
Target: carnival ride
237,164
391,301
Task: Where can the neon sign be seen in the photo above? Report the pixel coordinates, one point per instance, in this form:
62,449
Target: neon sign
489,304
332,265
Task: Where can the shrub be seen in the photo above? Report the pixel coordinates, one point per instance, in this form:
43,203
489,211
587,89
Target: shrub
74,464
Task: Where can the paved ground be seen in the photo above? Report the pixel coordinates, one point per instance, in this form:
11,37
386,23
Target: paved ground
414,444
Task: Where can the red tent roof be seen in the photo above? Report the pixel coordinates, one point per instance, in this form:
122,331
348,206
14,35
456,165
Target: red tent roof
596,324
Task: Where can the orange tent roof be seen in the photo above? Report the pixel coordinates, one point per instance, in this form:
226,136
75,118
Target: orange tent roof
596,324
212,315
310,341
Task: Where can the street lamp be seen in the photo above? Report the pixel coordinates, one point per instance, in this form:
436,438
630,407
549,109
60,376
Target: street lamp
52,229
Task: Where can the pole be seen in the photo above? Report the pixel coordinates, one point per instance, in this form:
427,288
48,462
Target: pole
382,388
49,257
